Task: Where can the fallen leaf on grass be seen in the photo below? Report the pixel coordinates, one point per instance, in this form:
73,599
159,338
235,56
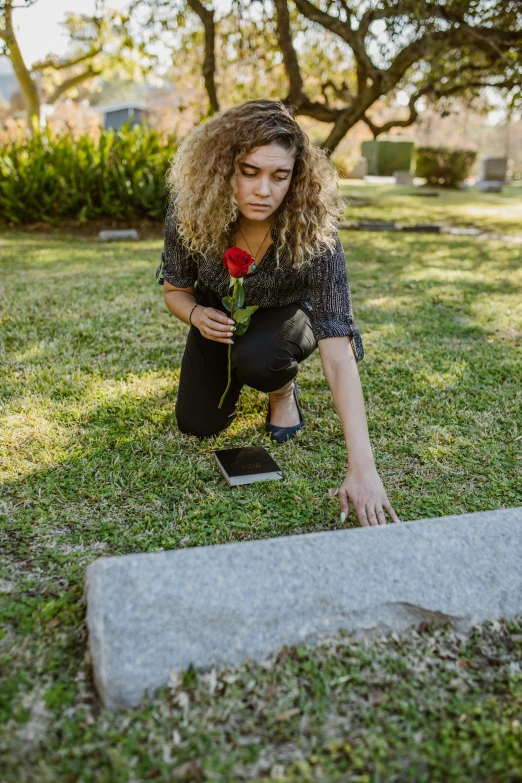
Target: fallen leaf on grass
287,714
189,771
338,746
457,684
375,696
271,690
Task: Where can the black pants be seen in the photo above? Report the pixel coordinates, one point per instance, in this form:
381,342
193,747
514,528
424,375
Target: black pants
265,358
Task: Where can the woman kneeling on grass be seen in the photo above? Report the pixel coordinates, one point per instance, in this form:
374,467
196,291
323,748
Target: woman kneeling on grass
255,206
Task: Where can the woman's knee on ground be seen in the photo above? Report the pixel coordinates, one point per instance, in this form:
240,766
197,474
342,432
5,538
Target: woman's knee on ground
199,423
264,370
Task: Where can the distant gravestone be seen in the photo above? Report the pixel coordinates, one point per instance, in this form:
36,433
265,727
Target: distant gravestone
219,605
490,185
386,155
493,174
423,228
360,170
377,225
403,178
118,235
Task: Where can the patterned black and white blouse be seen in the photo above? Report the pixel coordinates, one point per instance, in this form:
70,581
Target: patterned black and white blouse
321,288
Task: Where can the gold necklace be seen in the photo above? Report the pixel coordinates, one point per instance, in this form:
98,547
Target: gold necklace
254,265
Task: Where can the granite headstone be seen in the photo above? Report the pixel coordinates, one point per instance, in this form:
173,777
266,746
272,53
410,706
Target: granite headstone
216,605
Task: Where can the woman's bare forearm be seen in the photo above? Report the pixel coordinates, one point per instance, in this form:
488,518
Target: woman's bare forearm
340,369
212,324
180,303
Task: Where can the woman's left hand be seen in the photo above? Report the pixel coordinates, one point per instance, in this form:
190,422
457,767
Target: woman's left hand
363,488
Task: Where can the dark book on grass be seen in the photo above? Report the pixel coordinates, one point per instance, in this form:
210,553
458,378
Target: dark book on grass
246,465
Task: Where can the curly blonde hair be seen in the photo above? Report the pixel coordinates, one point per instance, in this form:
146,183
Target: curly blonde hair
204,172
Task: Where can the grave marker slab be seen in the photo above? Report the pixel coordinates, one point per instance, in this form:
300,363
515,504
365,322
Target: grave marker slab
216,605
403,178
118,235
360,169
493,174
494,169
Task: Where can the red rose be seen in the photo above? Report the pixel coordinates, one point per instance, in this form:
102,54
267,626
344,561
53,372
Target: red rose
237,261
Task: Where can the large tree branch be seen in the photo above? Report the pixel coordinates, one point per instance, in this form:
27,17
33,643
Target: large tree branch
370,16
505,84
24,4
461,32
60,65
290,61
378,129
453,38
332,23
374,82
342,118
297,98
209,63
343,29
438,92
73,81
343,92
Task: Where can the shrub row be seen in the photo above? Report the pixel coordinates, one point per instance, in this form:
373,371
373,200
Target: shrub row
121,176
443,166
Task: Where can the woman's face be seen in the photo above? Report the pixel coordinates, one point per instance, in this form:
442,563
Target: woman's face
263,181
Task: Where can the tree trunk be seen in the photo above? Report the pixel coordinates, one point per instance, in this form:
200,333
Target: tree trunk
209,63
73,81
23,74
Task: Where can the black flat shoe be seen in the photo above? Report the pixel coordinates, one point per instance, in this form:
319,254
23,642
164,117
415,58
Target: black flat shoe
282,434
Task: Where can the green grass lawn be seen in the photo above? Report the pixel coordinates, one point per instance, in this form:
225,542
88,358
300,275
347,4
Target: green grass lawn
93,464
496,212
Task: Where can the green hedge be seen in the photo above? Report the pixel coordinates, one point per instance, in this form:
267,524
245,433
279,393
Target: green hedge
121,176
443,166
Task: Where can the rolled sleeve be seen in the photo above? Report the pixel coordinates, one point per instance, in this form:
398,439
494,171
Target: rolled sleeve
178,266
330,298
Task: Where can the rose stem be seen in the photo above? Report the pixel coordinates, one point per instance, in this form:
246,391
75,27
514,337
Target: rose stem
229,375
234,293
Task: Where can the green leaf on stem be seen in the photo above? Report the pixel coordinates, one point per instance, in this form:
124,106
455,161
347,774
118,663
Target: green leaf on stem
228,302
242,316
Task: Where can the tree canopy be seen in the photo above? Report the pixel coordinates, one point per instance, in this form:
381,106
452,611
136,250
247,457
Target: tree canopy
339,58
332,60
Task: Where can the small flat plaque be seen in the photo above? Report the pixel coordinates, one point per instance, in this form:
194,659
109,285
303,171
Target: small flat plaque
118,235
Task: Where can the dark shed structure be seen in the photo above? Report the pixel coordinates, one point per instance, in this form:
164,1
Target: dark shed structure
117,114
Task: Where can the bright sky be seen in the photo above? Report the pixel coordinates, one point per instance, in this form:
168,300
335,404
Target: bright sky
39,28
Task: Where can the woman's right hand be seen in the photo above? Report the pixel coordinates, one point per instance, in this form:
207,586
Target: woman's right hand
213,324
